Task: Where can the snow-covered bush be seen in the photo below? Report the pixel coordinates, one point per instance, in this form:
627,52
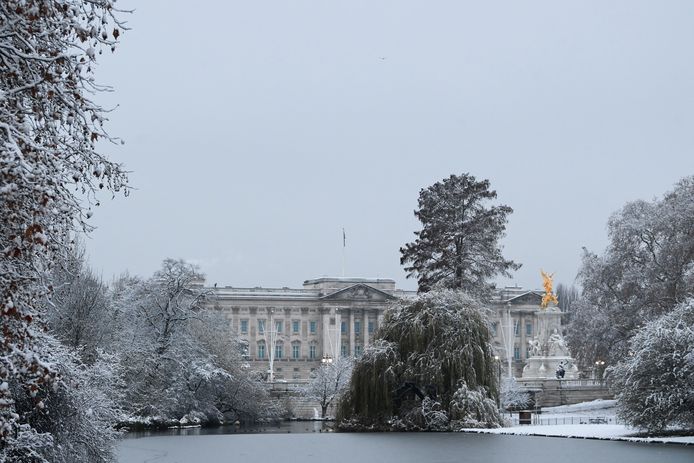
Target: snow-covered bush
79,410
428,347
512,397
435,419
655,385
473,408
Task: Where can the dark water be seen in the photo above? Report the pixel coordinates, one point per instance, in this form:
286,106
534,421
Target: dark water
282,427
301,444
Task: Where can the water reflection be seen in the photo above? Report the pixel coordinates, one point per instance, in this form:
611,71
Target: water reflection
282,427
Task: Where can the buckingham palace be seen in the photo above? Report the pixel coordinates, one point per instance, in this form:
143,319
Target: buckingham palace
288,331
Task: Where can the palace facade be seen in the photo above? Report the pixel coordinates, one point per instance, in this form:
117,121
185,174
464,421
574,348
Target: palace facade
288,332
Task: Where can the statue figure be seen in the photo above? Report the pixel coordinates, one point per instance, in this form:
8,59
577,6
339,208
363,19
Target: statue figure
547,284
560,372
556,345
535,348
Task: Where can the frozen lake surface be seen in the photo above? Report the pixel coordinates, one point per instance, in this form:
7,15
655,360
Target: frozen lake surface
389,448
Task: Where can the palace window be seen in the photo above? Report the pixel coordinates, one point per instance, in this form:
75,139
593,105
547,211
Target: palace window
528,329
344,350
371,326
357,326
312,351
244,326
261,350
357,350
261,326
296,350
278,326
295,326
516,353
279,350
343,327
312,326
516,328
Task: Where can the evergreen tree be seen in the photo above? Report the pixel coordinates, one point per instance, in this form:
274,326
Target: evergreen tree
458,246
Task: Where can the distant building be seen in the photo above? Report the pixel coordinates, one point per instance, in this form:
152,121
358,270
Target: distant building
296,329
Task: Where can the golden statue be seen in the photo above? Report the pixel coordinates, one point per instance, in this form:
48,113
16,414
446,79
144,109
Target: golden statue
548,296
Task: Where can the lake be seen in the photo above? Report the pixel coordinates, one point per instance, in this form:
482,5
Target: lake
302,442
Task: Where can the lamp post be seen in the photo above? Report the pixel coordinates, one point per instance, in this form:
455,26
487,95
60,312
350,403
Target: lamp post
599,365
498,396
326,360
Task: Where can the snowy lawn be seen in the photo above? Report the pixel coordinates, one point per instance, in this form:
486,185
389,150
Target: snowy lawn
585,431
583,412
601,405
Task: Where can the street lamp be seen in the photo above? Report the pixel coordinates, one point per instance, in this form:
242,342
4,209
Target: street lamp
498,396
599,365
326,360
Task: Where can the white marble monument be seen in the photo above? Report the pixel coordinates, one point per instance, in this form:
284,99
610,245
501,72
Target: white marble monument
549,357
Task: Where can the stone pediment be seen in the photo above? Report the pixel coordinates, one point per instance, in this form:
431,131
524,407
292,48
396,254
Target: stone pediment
359,292
529,298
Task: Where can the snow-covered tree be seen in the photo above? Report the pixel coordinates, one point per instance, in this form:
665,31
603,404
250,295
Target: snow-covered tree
567,295
160,358
80,313
436,346
654,384
458,246
179,359
329,382
647,269
50,173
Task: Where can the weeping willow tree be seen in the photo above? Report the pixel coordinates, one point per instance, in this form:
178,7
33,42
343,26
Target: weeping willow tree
431,366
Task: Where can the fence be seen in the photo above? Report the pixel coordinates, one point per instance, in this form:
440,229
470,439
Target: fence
535,384
539,420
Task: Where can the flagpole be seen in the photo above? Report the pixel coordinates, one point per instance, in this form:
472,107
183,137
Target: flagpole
344,245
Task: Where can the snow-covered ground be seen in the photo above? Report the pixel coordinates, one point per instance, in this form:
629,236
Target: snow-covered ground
604,406
582,413
597,411
585,431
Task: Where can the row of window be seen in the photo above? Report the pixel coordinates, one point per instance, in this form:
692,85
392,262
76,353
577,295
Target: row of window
296,350
279,350
279,326
516,329
312,326
357,327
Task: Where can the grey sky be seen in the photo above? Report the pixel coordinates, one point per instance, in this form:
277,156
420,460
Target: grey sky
256,130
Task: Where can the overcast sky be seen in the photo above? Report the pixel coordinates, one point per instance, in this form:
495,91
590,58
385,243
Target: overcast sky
256,130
